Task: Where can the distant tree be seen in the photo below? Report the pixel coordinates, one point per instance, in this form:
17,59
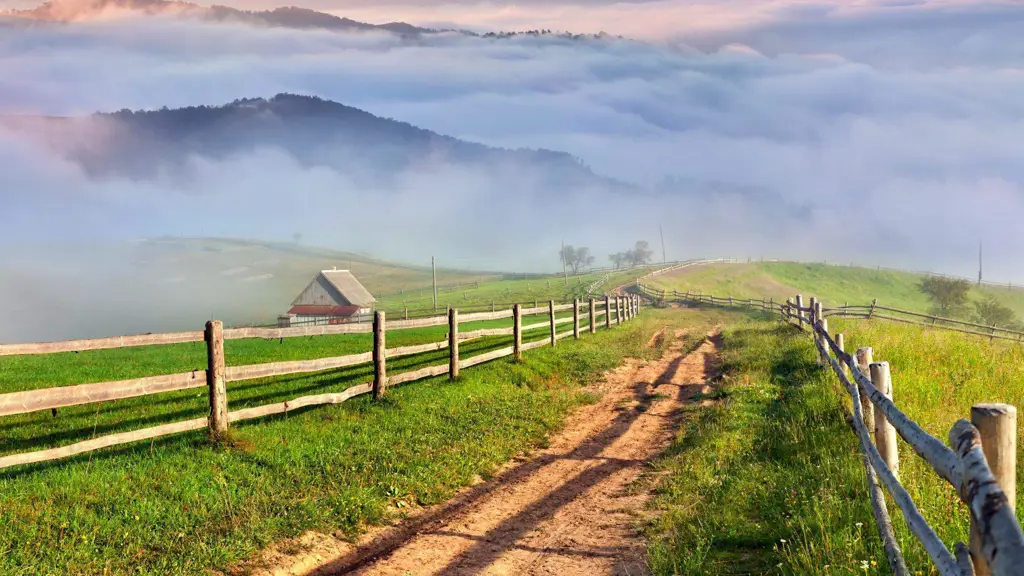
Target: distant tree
640,254
576,258
949,295
297,237
618,259
992,312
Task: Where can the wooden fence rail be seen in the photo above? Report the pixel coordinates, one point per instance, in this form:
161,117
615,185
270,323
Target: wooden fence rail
217,375
980,462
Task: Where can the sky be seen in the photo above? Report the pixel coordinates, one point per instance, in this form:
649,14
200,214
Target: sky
877,132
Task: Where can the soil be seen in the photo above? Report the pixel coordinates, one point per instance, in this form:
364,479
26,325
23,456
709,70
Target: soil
574,508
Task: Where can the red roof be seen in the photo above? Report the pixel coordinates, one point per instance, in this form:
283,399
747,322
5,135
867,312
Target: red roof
310,310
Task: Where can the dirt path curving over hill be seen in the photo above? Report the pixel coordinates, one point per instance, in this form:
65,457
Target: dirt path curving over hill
571,509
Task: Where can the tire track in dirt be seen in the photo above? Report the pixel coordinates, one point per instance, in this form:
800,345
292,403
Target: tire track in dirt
570,509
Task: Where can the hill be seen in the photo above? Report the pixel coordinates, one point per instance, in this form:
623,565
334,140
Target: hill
285,17
146,144
835,285
168,284
294,17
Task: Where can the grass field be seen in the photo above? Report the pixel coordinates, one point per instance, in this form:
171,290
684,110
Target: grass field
181,505
509,291
767,480
834,285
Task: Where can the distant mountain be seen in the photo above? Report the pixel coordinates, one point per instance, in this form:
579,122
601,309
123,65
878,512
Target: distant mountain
315,132
287,17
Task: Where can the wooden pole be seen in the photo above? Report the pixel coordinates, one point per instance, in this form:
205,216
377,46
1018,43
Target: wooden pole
517,331
576,318
551,314
864,358
885,434
823,357
800,313
453,344
607,312
997,426
593,319
618,309
841,344
214,336
814,311
379,368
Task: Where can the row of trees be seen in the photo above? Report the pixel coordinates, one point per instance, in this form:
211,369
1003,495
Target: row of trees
577,258
951,298
638,256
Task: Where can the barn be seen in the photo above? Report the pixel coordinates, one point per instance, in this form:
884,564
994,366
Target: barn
333,297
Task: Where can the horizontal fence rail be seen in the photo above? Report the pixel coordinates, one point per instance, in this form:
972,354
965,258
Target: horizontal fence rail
979,462
217,375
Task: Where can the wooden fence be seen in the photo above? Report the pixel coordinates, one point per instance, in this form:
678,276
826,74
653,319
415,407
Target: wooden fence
980,463
217,375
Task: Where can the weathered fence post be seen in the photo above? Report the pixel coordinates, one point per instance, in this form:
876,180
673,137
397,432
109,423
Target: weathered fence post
214,336
636,304
453,344
799,311
593,319
997,426
576,318
607,312
406,312
874,302
554,328
824,355
816,319
379,370
517,331
841,344
864,358
885,434
771,308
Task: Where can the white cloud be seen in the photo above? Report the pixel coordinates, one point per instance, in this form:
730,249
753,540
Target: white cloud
895,129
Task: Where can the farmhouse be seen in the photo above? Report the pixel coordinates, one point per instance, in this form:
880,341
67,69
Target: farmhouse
333,297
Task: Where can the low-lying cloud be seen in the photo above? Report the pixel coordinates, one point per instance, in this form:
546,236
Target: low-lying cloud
867,132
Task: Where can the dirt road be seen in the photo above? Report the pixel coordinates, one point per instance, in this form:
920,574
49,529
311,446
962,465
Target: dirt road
571,509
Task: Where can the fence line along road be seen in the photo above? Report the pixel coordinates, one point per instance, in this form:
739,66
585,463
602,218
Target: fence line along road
980,465
217,375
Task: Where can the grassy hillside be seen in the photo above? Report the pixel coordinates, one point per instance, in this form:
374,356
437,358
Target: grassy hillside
834,285
509,291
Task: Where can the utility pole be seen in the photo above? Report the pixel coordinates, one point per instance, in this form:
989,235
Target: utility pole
564,273
664,258
979,262
433,271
